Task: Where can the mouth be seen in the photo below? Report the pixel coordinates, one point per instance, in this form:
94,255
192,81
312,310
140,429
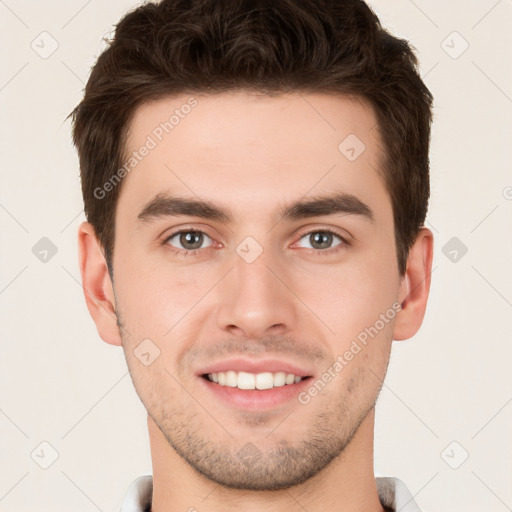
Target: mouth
250,381
254,392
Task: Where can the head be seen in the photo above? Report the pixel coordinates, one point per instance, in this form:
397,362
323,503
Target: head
268,125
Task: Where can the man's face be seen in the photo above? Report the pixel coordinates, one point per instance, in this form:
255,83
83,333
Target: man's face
260,286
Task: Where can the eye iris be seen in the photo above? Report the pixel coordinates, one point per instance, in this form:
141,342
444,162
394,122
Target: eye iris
191,237
321,238
194,239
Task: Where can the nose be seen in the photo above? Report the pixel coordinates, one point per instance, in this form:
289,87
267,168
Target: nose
257,299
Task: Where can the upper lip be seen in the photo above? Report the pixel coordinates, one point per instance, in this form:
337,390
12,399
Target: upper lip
255,366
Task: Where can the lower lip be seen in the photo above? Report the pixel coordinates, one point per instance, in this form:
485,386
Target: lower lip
256,399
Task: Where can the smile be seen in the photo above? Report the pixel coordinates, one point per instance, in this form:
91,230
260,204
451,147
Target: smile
245,380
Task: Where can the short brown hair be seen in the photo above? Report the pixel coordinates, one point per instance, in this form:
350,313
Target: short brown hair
271,46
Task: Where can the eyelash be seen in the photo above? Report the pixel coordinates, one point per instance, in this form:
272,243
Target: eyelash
194,252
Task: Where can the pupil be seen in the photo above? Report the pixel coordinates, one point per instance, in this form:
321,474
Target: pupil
194,238
322,239
191,237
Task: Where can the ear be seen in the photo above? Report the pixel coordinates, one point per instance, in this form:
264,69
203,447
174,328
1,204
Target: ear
415,286
97,286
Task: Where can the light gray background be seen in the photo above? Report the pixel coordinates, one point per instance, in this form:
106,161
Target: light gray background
61,384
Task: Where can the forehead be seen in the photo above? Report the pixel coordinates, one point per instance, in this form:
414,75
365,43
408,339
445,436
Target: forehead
228,145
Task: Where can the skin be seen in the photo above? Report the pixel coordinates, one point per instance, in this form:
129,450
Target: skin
253,155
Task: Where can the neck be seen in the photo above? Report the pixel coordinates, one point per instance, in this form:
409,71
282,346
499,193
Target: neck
347,484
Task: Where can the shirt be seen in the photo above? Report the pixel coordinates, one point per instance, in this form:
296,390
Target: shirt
393,494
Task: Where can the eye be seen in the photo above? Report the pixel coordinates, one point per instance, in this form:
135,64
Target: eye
322,239
187,240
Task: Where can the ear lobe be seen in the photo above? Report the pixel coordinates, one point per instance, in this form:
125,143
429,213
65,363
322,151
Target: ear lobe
97,286
415,286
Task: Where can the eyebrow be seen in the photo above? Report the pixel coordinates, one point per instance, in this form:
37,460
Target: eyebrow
164,205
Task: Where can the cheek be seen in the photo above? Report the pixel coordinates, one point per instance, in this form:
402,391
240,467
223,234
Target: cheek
349,298
153,300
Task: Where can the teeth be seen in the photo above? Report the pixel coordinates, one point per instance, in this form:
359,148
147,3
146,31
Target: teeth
231,379
244,380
